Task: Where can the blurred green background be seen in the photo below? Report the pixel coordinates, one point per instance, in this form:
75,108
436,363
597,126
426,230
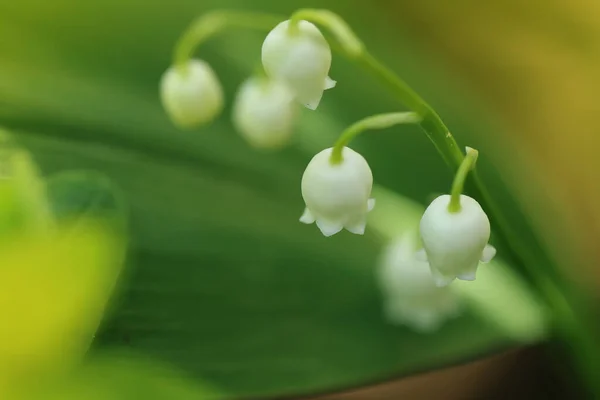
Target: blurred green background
222,282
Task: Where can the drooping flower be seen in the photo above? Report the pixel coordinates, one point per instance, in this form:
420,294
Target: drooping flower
264,112
300,56
337,195
191,95
410,294
455,242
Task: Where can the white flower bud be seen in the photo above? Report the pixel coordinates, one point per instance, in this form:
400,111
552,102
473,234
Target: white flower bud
264,112
191,96
455,243
337,195
410,294
301,58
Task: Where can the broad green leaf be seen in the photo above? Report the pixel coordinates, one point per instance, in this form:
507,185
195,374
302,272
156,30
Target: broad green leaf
224,282
254,302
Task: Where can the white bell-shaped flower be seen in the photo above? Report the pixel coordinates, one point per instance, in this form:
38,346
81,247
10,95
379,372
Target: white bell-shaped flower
455,242
192,96
337,195
264,112
301,58
410,294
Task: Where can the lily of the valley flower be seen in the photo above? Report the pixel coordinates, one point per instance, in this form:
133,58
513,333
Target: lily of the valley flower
410,294
455,242
264,112
191,95
337,195
300,56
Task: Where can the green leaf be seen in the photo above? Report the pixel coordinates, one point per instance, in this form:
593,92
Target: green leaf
224,282
227,285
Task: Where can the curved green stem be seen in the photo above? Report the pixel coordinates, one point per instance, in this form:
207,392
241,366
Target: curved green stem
211,23
351,44
571,323
379,121
432,124
458,184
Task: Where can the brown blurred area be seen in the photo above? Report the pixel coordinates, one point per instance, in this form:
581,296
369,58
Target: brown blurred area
535,65
520,374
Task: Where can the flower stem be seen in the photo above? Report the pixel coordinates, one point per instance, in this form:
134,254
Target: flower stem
211,23
572,324
571,320
351,44
432,124
379,121
458,184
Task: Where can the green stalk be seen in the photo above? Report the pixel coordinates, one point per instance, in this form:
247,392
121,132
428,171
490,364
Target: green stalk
570,323
211,23
459,179
379,121
432,124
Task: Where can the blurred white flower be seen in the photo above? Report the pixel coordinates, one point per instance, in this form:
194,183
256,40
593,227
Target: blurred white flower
337,195
410,294
264,112
455,242
191,96
301,58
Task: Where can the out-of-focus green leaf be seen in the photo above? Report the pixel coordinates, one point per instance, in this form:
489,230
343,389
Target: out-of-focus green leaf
226,284
56,274
53,292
